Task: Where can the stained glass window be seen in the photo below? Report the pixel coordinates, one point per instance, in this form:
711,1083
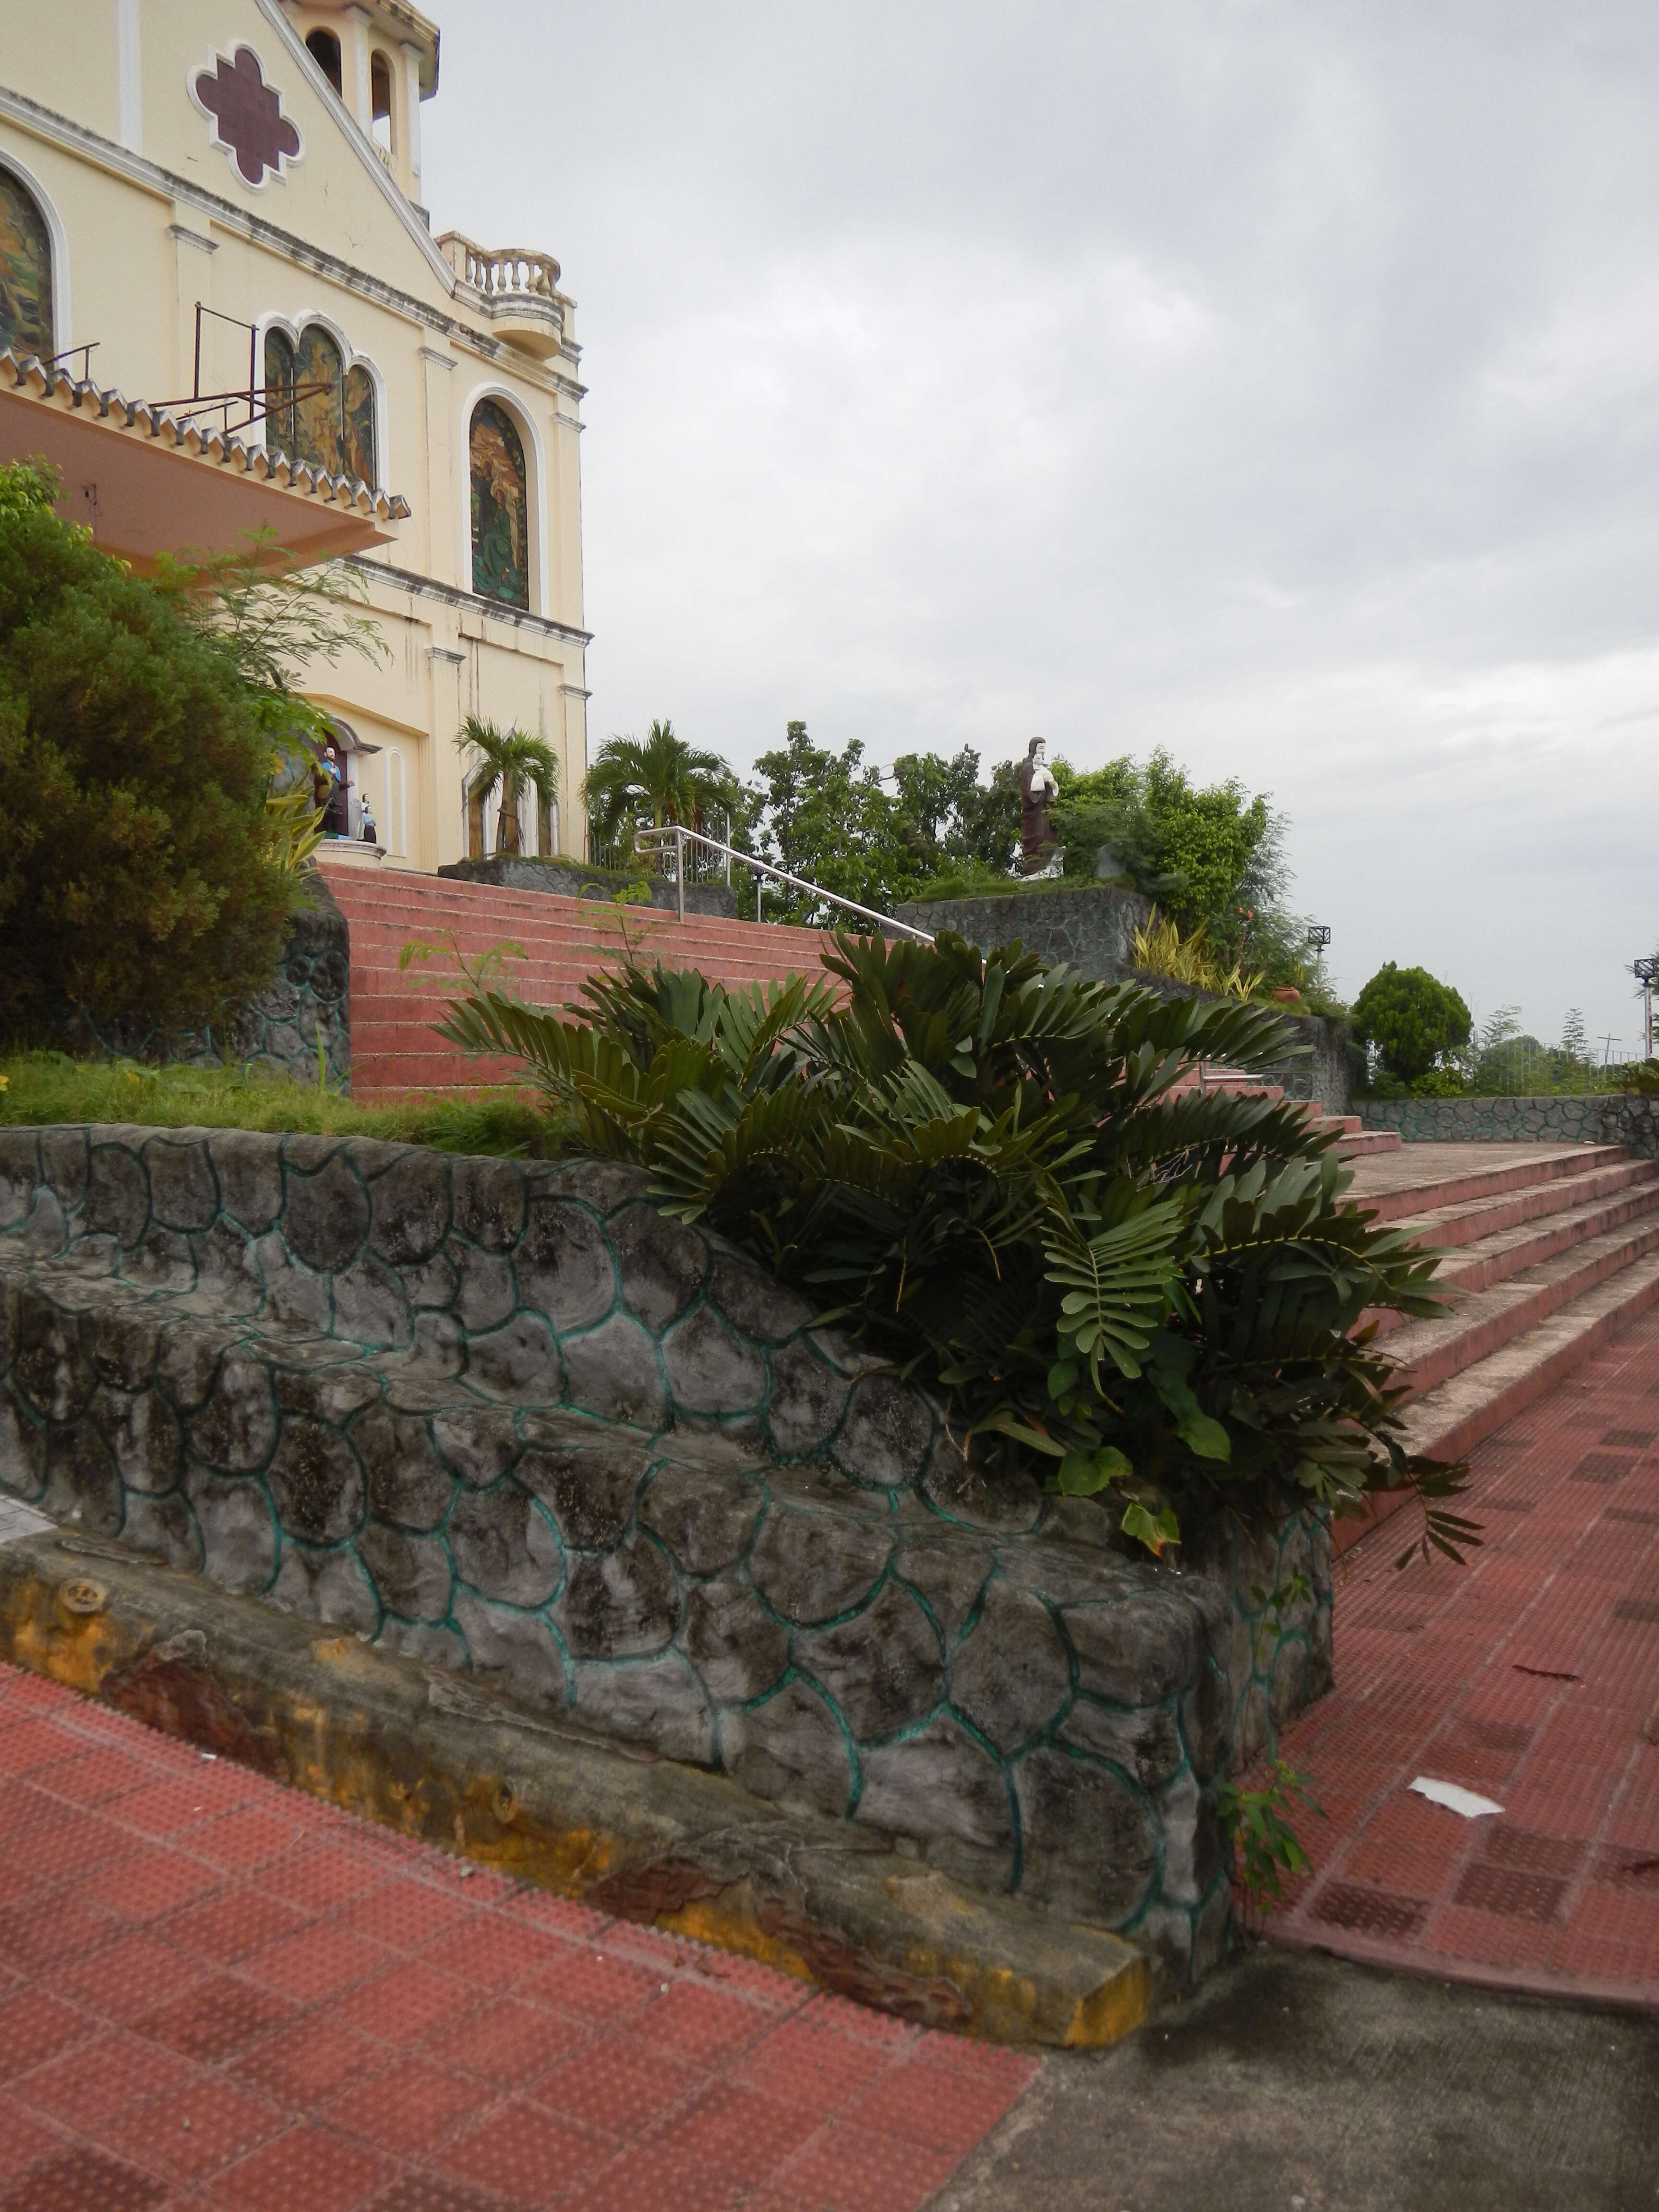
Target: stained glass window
500,507
312,414
25,271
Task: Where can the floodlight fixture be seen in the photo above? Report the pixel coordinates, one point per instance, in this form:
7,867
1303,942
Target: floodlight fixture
1319,935
1646,972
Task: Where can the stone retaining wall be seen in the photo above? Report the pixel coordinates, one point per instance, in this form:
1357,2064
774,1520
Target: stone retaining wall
506,1417
1627,1117
1091,927
308,998
519,871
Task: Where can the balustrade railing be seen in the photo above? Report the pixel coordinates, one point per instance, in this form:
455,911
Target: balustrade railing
507,273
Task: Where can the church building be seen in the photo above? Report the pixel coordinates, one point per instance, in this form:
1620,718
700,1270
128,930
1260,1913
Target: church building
223,311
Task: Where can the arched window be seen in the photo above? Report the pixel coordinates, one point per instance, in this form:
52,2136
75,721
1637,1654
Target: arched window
25,271
500,507
315,412
380,102
325,50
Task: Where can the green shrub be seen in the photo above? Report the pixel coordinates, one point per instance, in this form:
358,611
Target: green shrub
979,1164
137,878
1413,1020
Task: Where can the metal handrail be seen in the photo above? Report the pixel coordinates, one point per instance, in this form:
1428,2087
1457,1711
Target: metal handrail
658,841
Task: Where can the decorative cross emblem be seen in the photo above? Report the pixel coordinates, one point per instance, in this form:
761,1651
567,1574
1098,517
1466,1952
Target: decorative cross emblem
247,115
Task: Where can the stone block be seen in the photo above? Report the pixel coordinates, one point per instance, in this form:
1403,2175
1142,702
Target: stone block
487,1199
518,1646
315,1482
808,1399
619,1603
236,1429
739,1649
1137,1651
615,1371
710,1370
238,1530
504,1546
184,1191
329,1587
82,1486
811,1567
655,1701
118,1195
409,1484
410,1574
790,1748
144,1435
587,1475
1090,1840
325,1211
705,1516
887,1434
1012,1676
943,1788
563,1265
409,1208
661,1263
883,1669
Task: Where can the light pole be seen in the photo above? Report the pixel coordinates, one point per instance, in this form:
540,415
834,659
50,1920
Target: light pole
1646,972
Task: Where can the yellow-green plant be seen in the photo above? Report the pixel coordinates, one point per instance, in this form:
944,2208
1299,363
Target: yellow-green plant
1161,950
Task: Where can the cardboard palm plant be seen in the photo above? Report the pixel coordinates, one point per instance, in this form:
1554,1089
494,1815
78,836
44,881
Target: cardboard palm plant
982,1164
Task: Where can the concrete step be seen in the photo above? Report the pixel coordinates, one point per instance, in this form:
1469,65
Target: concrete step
1407,1184
1448,1421
1506,1253
1429,1352
1468,1221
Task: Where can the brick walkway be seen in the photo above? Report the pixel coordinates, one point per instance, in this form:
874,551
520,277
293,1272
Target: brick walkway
217,1992
1531,1677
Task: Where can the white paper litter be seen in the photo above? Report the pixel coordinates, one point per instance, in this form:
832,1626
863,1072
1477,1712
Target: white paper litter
1455,1798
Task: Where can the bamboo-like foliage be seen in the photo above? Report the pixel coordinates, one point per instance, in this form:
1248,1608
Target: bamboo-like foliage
984,1166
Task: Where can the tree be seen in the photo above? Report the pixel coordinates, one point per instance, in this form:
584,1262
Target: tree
1412,1020
1210,855
137,875
825,818
507,761
631,786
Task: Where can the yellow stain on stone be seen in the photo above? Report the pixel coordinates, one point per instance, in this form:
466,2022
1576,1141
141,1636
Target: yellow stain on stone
1115,2008
332,1755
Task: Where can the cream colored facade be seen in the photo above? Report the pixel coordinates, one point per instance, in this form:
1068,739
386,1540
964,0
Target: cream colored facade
102,119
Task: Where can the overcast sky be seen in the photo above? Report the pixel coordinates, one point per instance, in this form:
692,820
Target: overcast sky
1272,383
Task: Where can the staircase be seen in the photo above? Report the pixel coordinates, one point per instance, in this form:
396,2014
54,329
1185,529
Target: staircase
1550,1250
394,1053
1355,1140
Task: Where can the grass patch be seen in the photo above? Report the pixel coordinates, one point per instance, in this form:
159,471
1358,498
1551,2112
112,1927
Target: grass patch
37,1088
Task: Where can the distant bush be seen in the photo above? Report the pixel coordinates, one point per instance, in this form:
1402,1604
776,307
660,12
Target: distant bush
1414,1021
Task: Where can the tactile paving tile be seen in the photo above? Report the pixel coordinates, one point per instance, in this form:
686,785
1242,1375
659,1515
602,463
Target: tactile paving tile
1509,1891
1368,1911
1531,1680
84,2181
280,2080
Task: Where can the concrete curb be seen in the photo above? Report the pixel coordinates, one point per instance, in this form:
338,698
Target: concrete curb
640,1836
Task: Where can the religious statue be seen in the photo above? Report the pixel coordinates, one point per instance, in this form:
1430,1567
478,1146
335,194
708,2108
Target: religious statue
1040,853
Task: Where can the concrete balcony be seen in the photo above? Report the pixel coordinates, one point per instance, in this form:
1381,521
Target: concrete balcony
513,290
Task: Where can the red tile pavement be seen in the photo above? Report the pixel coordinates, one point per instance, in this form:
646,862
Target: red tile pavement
217,1993
1530,1675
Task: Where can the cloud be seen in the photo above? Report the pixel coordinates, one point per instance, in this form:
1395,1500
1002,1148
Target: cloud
1273,383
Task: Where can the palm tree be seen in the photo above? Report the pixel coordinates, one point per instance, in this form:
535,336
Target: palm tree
662,780
508,759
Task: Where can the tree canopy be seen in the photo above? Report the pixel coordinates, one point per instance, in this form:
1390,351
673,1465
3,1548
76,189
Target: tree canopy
1411,1018
139,875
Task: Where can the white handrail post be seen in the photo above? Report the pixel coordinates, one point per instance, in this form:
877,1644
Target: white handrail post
679,866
